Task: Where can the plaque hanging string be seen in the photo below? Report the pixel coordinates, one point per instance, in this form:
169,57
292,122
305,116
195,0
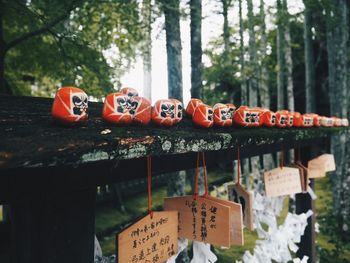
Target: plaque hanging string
149,182
282,157
238,182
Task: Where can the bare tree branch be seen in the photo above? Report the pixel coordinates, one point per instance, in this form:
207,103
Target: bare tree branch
41,30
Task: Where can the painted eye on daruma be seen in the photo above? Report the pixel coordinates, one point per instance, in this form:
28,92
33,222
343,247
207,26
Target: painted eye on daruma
164,107
121,101
76,100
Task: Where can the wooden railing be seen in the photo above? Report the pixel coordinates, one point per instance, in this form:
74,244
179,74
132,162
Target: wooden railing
49,173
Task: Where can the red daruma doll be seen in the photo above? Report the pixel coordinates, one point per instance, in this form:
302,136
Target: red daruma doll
223,114
70,105
282,118
178,110
192,105
163,112
143,110
268,118
203,116
131,92
248,117
119,108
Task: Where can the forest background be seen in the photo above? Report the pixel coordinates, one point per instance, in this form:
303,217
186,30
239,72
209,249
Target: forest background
264,53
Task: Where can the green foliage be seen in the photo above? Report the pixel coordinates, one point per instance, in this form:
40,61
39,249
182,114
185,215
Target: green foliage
330,247
71,52
221,82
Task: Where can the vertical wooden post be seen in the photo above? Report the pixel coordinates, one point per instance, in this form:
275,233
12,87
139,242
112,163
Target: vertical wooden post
54,227
303,204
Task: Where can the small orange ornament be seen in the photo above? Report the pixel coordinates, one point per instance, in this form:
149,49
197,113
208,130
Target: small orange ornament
298,119
70,105
317,119
337,122
268,118
345,122
143,111
290,119
163,112
327,122
308,120
282,118
223,115
119,108
178,110
248,117
203,116
131,92
192,105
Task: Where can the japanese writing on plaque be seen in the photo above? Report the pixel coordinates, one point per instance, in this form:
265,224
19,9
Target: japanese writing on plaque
150,240
201,219
283,181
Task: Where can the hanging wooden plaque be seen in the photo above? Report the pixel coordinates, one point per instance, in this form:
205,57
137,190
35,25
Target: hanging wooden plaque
329,161
238,194
201,219
317,168
282,181
149,239
304,176
236,223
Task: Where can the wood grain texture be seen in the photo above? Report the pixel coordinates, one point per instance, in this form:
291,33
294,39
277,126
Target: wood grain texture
202,219
30,139
149,239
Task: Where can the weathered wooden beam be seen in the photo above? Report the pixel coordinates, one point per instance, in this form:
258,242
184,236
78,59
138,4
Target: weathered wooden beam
29,138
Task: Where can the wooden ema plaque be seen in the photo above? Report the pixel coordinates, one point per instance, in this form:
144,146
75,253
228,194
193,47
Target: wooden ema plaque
304,176
238,194
236,220
282,181
319,166
149,240
202,219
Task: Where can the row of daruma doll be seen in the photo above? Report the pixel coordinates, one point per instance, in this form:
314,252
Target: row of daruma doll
226,115
126,107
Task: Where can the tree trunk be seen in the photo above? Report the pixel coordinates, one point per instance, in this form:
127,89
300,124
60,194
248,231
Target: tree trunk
196,49
288,59
173,46
2,52
226,31
244,91
264,81
253,83
147,49
310,96
337,41
177,181
280,57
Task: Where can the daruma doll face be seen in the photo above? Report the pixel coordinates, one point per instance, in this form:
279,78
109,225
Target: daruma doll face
163,113
70,105
308,120
269,118
143,111
345,122
119,108
178,110
192,105
282,118
203,116
248,117
327,122
223,115
337,121
316,119
131,92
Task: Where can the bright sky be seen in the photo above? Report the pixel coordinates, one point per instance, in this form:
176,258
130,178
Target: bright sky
212,24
